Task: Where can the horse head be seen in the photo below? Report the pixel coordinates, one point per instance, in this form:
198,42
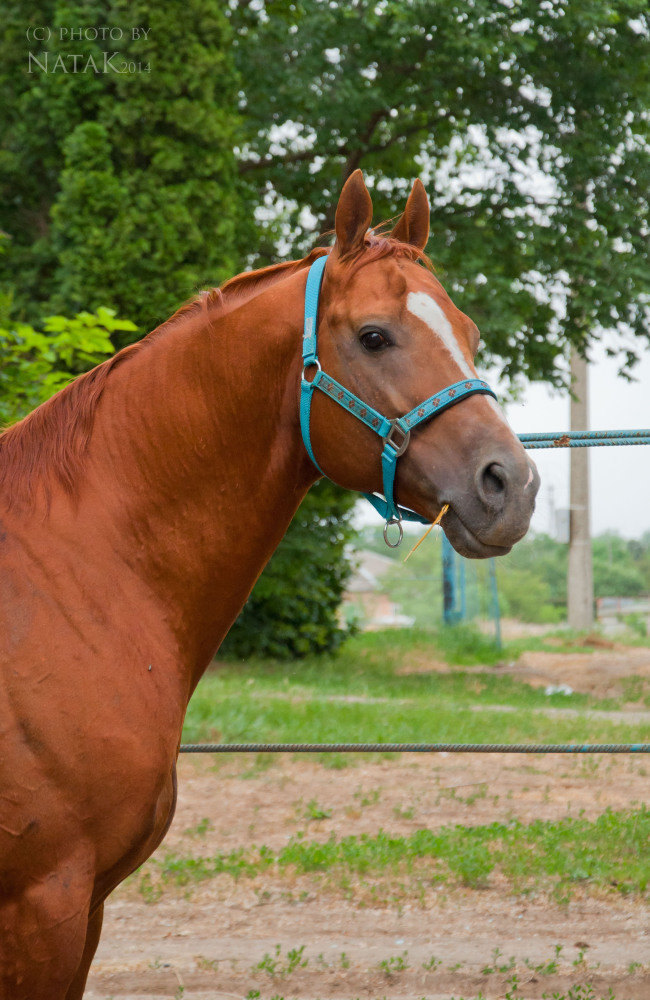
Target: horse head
389,333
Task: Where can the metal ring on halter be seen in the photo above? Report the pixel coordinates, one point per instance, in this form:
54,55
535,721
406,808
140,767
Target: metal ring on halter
309,364
389,523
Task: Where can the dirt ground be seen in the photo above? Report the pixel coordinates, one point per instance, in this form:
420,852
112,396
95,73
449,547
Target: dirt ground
604,672
206,941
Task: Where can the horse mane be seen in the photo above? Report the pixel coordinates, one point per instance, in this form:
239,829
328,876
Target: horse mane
50,443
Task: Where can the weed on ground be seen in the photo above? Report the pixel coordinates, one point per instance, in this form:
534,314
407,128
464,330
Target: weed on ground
608,854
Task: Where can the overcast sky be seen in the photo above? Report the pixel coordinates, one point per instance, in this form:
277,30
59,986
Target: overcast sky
620,476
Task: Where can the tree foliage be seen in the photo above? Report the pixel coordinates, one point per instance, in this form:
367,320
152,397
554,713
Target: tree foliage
34,364
529,121
118,186
532,579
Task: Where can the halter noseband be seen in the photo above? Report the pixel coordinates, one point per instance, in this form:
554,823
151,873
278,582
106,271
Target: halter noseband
394,433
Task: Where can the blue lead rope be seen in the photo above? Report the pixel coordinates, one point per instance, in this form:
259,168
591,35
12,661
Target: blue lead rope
394,433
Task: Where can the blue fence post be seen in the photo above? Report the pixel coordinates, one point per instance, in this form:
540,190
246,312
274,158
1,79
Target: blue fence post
496,610
448,581
453,584
461,613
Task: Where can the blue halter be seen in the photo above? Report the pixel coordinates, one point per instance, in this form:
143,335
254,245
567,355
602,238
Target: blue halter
394,433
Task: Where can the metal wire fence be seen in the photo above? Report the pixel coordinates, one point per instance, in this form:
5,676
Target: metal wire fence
535,748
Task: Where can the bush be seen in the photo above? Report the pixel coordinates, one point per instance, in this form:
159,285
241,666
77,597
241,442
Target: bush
34,365
293,610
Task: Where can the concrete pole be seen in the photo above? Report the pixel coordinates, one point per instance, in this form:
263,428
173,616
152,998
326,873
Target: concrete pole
580,580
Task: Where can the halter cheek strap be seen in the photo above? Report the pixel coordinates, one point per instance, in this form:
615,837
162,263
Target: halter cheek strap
395,433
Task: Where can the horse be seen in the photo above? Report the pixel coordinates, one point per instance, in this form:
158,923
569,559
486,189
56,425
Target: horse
139,505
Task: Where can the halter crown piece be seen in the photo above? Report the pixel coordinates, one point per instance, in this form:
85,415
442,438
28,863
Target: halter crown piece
394,433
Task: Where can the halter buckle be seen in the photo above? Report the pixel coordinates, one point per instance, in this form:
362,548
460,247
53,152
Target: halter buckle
399,445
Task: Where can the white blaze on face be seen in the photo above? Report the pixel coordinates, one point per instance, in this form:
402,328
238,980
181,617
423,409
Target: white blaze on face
428,310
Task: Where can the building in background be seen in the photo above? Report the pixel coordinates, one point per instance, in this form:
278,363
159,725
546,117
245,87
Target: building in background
364,602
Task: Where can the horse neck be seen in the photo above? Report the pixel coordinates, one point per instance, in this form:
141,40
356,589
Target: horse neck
198,456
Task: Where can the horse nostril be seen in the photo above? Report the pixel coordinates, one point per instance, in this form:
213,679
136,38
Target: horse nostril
492,485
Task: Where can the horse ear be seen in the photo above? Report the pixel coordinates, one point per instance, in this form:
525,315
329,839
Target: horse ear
413,226
353,214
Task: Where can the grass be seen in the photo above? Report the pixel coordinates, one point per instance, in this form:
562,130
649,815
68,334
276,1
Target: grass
360,695
281,966
394,964
237,718
508,977
608,853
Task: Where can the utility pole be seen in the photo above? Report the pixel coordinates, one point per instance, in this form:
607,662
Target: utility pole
552,516
580,580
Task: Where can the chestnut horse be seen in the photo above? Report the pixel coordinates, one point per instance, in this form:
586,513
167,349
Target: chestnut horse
138,507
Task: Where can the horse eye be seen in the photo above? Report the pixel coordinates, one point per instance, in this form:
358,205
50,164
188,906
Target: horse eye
373,340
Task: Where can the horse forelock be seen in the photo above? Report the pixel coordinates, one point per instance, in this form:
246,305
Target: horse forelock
378,245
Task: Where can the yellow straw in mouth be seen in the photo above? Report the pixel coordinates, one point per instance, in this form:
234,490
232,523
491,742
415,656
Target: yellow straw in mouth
443,511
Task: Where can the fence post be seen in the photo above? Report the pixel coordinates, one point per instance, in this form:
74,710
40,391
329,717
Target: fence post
580,583
496,610
448,581
454,597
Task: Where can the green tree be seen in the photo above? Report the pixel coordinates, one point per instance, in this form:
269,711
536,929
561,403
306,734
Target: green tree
293,610
531,579
120,189
531,583
529,121
119,185
616,573
529,596
538,556
34,365
640,549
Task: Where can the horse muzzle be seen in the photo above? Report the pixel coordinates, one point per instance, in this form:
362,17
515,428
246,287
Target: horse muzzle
493,511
